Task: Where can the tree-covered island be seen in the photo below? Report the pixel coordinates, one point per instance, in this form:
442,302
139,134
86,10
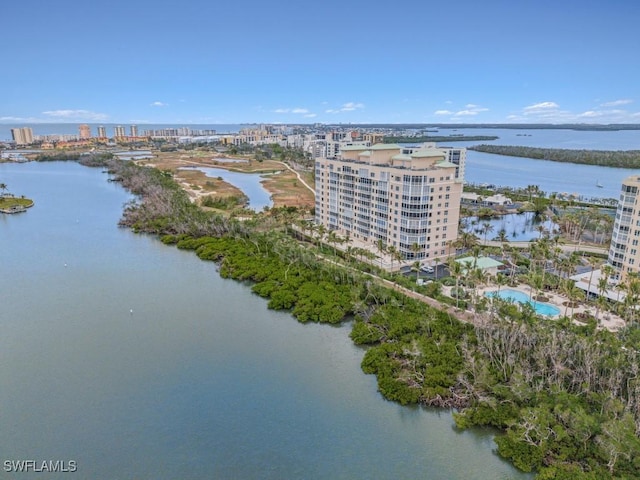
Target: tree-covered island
603,158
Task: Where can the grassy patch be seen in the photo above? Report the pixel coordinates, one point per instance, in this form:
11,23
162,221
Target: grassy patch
8,202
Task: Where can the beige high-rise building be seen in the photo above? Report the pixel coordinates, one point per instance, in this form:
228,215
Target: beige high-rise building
102,132
118,131
84,131
133,131
624,251
410,201
22,136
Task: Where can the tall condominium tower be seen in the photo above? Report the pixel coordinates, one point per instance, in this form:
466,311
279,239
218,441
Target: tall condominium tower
410,201
85,131
118,131
102,132
22,136
624,252
133,131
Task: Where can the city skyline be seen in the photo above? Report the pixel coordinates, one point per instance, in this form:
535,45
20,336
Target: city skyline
422,62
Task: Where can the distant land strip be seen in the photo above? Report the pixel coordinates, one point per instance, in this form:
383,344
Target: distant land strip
435,138
603,158
596,127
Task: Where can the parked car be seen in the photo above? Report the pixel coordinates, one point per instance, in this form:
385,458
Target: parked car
427,269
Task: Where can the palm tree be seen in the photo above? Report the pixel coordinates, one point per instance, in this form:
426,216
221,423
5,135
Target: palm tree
3,188
321,230
632,289
415,267
594,262
392,251
381,248
501,280
455,269
602,290
486,229
415,248
536,282
435,267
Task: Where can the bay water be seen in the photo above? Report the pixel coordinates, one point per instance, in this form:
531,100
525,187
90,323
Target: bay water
137,361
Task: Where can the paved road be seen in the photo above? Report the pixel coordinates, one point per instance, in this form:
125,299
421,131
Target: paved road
299,178
566,247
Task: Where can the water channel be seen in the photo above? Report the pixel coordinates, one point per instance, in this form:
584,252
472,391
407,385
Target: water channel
136,360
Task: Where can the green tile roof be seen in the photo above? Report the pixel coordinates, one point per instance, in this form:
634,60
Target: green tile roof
446,164
386,146
401,156
427,152
481,262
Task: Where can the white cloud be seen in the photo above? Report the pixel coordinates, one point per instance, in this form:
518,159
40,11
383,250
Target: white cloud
81,115
443,112
542,106
346,107
159,104
350,106
471,110
310,115
291,110
617,103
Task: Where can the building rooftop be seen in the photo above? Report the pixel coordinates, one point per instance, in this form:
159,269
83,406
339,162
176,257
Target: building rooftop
446,164
385,146
481,262
427,152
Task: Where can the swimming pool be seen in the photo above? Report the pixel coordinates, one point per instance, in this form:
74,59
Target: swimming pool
541,308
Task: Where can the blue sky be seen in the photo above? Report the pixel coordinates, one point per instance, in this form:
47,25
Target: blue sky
409,61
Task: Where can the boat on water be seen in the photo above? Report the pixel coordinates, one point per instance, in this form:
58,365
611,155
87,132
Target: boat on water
599,185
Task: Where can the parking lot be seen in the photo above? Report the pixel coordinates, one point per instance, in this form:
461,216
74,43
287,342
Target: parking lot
439,271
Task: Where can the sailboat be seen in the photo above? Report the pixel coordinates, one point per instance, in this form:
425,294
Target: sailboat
599,185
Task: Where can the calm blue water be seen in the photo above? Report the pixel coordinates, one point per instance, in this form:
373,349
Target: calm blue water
540,307
249,183
138,361
520,227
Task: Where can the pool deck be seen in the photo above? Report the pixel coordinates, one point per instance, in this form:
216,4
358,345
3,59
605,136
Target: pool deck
607,320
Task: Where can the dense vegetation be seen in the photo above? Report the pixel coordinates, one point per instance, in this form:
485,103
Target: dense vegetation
85,158
513,126
438,138
223,203
566,397
604,158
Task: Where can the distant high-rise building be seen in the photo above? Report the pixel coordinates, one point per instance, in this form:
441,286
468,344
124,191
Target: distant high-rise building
624,251
102,132
134,131
22,136
118,132
85,131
